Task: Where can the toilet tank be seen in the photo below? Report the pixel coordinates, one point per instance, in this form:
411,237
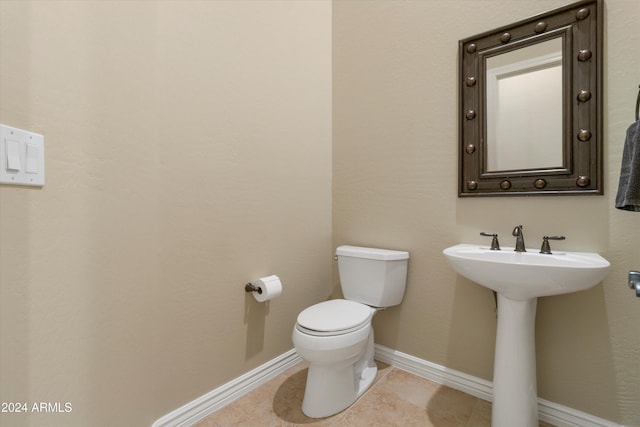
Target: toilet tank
371,276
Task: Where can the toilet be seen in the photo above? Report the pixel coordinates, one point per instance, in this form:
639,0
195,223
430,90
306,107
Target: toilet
336,336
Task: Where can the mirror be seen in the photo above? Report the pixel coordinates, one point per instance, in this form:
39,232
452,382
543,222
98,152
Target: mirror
530,106
524,89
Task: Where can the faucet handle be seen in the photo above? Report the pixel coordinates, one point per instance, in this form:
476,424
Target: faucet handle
546,248
495,245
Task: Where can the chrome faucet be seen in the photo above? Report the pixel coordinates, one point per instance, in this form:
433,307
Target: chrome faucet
517,233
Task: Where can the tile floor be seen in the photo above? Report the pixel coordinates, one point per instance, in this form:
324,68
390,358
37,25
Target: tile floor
396,398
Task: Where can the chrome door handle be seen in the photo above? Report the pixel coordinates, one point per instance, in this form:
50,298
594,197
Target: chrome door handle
634,281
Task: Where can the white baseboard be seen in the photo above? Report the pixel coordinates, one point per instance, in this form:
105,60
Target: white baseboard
199,408
192,412
556,414
474,386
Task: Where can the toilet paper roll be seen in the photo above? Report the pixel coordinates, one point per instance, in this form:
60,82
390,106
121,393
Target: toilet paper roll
268,288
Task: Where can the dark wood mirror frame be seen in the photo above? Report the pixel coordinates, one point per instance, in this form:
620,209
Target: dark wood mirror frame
580,26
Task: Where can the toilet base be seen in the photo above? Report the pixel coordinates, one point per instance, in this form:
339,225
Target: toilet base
331,389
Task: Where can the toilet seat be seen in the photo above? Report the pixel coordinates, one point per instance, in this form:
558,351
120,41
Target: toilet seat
334,317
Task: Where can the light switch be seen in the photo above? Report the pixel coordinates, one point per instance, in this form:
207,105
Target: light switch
33,154
21,157
13,156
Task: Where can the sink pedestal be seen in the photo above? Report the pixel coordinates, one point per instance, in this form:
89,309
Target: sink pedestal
519,278
515,399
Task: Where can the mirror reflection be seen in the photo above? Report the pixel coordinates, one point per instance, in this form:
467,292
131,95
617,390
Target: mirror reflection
524,108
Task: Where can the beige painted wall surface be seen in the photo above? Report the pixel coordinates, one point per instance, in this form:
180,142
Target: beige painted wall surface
188,151
395,185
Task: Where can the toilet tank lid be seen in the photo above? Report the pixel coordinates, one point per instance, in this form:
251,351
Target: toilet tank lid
371,253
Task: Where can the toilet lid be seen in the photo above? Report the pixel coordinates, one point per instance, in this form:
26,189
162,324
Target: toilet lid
335,316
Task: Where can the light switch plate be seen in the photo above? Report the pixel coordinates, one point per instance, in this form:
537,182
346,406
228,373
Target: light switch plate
21,157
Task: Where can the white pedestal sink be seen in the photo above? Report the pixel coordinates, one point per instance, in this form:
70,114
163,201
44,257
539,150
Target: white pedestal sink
520,278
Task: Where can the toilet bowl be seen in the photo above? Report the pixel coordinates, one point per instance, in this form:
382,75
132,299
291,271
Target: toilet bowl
340,355
336,336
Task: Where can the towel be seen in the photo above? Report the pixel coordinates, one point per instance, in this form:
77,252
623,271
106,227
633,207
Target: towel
628,197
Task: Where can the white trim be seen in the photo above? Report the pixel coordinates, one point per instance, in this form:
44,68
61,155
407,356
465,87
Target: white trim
554,413
563,416
205,405
192,412
437,373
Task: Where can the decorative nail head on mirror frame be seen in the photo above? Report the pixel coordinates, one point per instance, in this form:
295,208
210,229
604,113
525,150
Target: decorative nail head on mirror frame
530,108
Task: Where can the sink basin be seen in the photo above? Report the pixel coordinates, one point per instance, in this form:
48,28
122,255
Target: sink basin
525,275
519,278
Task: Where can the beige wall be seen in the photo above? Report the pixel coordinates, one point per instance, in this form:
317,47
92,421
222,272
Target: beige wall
395,185
188,150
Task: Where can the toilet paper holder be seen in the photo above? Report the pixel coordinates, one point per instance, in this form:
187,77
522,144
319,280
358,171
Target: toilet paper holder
250,287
